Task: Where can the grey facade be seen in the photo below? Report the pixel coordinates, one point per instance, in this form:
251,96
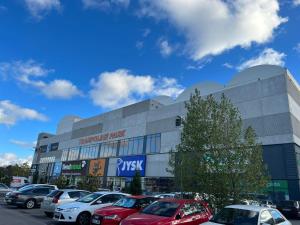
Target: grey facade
268,98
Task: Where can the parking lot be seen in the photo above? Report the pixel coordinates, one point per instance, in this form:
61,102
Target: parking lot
10,215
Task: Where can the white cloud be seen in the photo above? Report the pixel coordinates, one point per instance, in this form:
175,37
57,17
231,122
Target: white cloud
105,4
228,65
30,73
297,47
23,144
214,26
10,113
7,159
296,2
139,45
165,48
119,88
267,56
39,8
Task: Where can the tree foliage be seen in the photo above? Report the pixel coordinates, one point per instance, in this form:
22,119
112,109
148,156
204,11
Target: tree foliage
89,183
217,156
61,182
135,185
6,173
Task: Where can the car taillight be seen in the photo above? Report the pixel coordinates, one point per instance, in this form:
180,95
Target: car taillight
55,200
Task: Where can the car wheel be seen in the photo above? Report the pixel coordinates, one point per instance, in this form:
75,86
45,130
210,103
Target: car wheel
30,204
49,214
84,219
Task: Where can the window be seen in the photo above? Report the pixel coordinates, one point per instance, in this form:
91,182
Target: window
187,210
109,199
277,217
41,191
266,217
64,156
153,143
74,194
73,154
108,149
132,146
89,152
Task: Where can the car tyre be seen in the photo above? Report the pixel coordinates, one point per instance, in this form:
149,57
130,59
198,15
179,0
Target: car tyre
84,218
30,204
49,214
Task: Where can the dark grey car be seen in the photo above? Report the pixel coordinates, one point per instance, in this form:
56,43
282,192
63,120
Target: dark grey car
28,198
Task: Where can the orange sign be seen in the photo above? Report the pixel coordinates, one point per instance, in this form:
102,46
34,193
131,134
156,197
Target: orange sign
97,167
103,137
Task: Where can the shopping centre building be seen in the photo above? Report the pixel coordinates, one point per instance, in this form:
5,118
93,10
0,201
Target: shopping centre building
111,146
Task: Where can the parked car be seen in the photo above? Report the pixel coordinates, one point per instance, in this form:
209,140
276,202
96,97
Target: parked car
112,215
29,197
248,215
267,203
82,209
289,208
59,197
4,189
166,195
171,211
18,181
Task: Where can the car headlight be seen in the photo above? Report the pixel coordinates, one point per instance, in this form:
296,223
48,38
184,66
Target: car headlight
112,217
71,209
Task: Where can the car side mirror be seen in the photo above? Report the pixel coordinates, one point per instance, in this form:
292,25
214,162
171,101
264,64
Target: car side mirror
177,217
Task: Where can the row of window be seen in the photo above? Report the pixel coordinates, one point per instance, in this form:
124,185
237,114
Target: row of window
131,146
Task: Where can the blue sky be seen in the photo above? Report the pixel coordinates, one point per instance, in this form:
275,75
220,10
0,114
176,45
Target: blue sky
85,57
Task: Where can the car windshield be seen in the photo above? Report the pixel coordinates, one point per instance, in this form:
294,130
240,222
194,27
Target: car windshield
89,198
126,202
231,216
160,208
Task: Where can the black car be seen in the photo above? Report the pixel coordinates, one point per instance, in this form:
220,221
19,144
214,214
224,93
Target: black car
29,197
289,208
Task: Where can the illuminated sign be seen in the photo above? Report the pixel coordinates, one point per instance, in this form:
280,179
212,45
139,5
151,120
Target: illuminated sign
128,165
103,137
97,167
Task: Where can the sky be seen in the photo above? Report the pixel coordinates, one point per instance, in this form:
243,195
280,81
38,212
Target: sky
86,57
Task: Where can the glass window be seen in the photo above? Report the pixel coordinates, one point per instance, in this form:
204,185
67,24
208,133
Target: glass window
130,147
278,218
166,209
236,216
73,154
265,217
153,143
74,194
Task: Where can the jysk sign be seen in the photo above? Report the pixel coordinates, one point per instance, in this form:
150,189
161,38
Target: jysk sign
127,166
77,168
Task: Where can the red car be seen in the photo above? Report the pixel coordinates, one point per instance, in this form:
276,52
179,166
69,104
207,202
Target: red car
112,215
170,212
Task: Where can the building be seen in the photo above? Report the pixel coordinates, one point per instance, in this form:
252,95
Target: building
112,145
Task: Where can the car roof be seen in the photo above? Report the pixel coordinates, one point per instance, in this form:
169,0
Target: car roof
140,196
69,189
248,207
109,192
180,201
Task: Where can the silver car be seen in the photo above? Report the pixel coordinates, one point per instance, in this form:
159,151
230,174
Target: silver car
59,197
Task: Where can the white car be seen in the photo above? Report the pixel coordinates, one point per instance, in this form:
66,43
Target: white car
248,215
82,209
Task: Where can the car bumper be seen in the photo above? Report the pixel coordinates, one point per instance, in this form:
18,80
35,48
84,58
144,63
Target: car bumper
99,220
48,207
65,217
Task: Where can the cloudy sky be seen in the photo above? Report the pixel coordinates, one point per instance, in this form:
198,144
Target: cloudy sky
85,57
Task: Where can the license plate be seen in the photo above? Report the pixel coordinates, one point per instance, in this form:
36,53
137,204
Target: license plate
96,221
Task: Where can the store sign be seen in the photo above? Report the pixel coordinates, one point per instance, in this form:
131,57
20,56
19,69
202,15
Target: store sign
127,166
57,169
77,168
103,137
97,167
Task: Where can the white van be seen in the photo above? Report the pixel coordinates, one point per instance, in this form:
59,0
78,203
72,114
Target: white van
18,181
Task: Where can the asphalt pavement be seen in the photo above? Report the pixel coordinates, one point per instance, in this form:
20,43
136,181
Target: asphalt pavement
10,215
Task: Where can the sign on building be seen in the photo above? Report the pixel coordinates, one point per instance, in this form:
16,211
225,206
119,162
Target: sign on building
128,165
97,167
57,169
76,168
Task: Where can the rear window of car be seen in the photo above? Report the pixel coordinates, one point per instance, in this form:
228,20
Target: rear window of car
54,193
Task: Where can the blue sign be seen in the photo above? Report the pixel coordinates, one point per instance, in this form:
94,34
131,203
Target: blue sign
57,169
128,165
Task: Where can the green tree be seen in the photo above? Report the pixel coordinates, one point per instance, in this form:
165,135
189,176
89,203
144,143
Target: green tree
4,177
89,183
135,185
61,182
216,155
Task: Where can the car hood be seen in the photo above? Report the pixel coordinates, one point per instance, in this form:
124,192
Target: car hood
145,219
73,205
115,210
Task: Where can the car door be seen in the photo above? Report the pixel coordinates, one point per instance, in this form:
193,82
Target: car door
187,215
278,218
40,193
